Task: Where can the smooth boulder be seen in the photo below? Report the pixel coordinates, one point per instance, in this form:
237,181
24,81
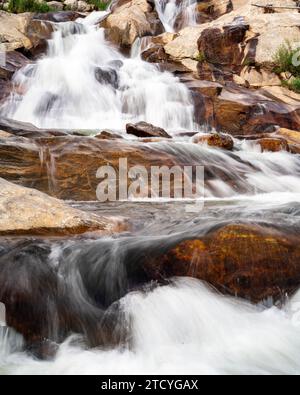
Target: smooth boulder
252,261
145,130
216,140
27,211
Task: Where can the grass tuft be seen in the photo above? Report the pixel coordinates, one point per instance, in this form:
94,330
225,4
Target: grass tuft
99,5
286,61
20,6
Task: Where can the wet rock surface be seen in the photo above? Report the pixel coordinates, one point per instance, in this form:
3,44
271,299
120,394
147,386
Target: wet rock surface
215,140
143,130
250,261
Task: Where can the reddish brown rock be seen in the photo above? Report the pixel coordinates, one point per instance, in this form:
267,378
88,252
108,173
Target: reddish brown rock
145,130
250,261
242,111
215,140
273,145
107,135
155,54
222,51
66,166
222,46
39,32
292,137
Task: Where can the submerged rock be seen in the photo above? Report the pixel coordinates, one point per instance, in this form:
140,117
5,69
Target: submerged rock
144,130
107,76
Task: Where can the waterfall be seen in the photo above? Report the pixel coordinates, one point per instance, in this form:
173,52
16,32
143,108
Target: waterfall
91,296
170,10
84,83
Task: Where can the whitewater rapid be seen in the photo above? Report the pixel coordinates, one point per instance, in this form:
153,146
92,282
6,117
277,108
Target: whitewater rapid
184,328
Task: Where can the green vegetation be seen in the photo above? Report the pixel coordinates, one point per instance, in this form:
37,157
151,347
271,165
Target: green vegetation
248,62
295,85
200,57
19,6
283,60
286,61
99,5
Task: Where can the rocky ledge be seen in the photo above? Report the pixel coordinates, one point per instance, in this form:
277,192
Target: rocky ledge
25,211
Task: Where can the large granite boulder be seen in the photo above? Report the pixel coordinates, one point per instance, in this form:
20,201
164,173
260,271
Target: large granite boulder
24,32
27,211
130,20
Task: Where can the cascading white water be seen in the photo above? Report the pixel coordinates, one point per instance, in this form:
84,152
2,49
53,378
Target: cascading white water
244,173
170,10
84,83
184,329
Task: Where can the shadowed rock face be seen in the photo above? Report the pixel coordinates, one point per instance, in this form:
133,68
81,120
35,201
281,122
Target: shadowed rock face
5,89
57,17
144,130
250,261
13,62
221,47
240,110
236,110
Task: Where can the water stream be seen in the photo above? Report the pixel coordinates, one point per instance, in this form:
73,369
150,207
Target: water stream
84,83
170,10
123,323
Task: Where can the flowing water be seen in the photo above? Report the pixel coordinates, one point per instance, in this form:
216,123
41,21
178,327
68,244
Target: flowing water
116,321
170,11
84,83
